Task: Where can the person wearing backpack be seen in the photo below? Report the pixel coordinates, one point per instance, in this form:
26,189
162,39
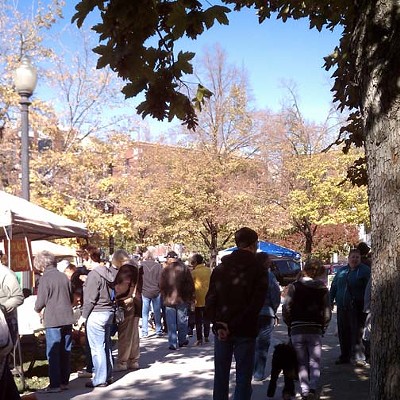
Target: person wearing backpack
128,295
11,297
306,311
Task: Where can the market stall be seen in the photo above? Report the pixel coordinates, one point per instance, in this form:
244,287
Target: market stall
22,222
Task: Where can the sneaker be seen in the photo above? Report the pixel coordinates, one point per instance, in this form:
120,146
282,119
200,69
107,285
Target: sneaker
360,363
100,385
159,334
145,336
133,365
172,347
120,367
84,374
49,389
198,343
183,344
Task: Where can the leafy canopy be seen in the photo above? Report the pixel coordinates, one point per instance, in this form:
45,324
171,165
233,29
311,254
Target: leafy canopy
137,41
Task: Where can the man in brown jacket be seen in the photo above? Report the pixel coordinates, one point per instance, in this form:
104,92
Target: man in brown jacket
177,292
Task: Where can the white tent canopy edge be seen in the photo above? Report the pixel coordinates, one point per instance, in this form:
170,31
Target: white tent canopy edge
21,219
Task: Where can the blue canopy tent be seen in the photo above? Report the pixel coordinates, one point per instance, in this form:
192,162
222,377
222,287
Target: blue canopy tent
268,247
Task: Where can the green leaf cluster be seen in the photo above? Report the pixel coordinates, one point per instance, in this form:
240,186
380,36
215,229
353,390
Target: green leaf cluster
137,40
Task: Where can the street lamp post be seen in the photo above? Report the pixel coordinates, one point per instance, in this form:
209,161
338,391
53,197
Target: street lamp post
25,79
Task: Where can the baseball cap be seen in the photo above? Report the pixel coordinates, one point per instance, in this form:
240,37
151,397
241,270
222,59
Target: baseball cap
172,254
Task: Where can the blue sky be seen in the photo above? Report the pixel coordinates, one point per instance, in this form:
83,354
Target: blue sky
271,53
275,52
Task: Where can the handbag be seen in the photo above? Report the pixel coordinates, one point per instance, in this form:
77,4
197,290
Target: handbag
119,310
119,314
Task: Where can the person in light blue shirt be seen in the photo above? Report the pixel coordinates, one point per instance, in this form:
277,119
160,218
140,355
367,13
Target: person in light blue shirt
266,319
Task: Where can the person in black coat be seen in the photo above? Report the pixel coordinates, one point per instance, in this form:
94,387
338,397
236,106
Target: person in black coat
233,302
307,312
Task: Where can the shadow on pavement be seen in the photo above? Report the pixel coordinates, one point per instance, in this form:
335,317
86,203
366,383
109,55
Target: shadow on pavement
187,373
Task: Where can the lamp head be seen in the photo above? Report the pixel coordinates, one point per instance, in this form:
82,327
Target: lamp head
25,77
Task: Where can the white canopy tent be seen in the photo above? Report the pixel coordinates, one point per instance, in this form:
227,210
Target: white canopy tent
57,249
21,219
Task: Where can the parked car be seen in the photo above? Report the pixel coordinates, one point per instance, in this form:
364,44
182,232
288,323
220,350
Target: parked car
285,269
333,268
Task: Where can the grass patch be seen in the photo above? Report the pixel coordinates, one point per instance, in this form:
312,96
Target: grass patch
36,374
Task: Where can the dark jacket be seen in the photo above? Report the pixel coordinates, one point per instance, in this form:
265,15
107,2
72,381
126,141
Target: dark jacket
97,290
306,308
129,278
54,295
151,278
237,292
176,284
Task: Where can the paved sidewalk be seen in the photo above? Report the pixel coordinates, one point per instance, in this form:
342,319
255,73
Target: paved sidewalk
187,373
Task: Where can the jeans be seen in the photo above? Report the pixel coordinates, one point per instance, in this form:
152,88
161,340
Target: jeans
263,341
156,304
98,327
177,320
58,352
201,323
308,351
243,349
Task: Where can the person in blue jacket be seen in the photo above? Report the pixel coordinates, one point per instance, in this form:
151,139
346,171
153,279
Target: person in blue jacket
266,319
347,290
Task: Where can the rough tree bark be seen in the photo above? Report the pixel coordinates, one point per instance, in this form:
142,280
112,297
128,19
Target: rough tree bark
377,46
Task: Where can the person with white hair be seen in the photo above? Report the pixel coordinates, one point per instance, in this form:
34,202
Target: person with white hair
55,298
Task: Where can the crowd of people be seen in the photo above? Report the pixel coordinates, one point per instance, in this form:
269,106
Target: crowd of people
237,301
100,299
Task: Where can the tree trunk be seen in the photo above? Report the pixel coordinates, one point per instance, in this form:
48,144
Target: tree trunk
211,240
377,46
308,231
111,244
